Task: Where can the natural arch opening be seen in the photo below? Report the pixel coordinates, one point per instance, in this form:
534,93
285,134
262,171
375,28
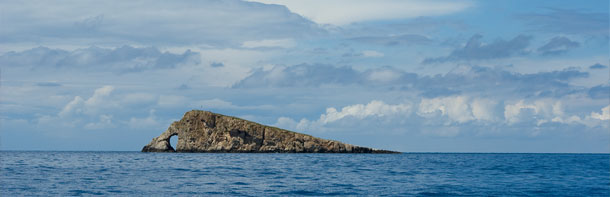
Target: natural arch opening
173,141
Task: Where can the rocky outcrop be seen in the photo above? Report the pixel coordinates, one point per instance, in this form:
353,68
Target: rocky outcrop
204,131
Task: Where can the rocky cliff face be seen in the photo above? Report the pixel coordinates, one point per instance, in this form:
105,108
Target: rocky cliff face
203,131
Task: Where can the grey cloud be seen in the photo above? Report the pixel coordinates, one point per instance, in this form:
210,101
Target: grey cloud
406,39
207,22
600,92
122,59
300,75
498,81
569,22
476,50
598,66
433,92
48,84
558,45
463,79
315,75
91,23
217,64
183,87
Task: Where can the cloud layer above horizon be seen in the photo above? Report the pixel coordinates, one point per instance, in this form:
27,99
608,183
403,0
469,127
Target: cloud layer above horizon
453,76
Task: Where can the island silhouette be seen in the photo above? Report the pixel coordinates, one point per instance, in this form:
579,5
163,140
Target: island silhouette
208,132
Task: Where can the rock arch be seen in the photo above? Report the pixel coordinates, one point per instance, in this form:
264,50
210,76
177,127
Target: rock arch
161,143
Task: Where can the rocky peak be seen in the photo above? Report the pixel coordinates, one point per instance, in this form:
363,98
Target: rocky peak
204,131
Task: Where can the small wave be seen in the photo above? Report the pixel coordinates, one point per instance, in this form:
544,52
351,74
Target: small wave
78,192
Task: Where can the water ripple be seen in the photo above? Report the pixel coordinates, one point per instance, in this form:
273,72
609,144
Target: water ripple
134,173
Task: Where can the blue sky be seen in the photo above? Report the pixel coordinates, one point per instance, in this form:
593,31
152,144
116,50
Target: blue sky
413,76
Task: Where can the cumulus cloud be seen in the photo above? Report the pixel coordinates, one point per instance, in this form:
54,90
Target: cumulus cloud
74,106
105,109
90,106
604,115
456,112
121,59
476,50
540,112
558,45
483,109
344,12
512,111
598,118
98,96
374,109
458,109
91,113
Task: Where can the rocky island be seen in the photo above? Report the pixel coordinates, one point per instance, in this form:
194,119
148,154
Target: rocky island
204,131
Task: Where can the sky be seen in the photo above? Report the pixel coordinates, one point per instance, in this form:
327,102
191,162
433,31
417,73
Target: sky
404,75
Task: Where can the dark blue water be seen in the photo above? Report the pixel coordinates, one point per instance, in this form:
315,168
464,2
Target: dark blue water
135,173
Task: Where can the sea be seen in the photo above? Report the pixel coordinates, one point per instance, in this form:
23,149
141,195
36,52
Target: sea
48,173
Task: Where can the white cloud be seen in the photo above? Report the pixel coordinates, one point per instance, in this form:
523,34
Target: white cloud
605,115
598,119
90,106
543,111
447,116
360,111
546,111
512,111
344,12
375,108
73,106
285,122
371,53
456,108
148,122
98,96
482,109
568,120
89,113
279,43
105,121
